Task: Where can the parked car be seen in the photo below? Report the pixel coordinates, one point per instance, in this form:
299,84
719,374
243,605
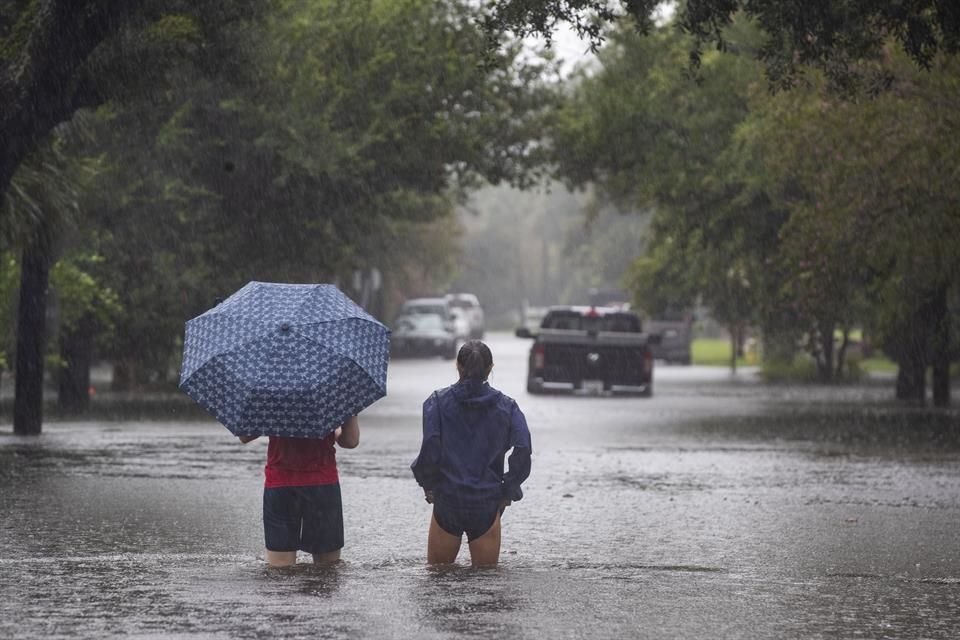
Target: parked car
423,334
473,312
532,317
443,307
461,326
676,336
438,305
595,348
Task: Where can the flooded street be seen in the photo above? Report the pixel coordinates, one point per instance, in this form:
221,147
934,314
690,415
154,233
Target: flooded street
718,508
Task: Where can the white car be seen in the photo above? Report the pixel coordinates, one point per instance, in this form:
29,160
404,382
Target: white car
469,305
414,306
461,326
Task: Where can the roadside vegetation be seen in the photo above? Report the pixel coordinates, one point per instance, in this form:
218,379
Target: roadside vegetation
801,215
199,146
798,186
715,352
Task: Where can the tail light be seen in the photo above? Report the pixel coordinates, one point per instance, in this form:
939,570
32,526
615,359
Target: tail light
647,361
538,356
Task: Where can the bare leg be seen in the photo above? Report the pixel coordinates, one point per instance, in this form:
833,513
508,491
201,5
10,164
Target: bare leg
485,550
281,558
442,548
326,559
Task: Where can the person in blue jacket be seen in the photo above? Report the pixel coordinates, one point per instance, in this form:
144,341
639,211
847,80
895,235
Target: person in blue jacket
468,428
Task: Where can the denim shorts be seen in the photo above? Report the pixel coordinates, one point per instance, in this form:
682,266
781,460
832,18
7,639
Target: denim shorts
457,518
303,518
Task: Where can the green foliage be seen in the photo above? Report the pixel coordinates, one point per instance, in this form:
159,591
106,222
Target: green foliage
800,368
663,279
834,36
803,368
801,212
872,193
42,202
713,352
9,288
80,295
173,29
338,138
878,364
16,19
648,135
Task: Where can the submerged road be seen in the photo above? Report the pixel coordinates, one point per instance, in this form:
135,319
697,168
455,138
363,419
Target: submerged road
718,508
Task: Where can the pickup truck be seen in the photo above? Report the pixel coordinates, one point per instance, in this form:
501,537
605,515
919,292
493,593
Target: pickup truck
590,348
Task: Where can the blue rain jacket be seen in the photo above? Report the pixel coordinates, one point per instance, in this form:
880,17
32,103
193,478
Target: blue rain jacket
467,430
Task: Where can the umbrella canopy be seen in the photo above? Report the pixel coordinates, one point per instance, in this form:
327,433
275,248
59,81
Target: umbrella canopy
293,360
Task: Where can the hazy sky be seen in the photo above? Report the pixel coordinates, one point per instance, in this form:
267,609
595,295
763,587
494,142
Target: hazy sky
573,51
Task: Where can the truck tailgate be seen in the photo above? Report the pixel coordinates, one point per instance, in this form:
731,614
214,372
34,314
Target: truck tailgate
614,358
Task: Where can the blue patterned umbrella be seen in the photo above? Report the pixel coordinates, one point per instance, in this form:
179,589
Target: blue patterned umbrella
292,360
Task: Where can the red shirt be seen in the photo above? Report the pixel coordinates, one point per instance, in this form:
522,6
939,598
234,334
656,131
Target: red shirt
301,462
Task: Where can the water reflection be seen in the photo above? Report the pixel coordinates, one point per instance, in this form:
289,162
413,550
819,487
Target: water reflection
310,579
464,601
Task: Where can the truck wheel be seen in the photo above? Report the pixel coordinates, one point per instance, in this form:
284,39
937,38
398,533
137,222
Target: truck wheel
647,391
533,387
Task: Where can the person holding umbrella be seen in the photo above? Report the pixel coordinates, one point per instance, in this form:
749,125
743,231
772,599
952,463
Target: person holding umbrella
297,363
302,507
468,428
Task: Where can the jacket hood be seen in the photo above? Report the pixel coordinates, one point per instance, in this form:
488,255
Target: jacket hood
473,392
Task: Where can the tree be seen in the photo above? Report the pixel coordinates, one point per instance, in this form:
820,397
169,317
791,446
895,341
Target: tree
818,283
342,146
648,136
43,49
85,310
872,190
55,59
805,212
41,206
830,35
59,57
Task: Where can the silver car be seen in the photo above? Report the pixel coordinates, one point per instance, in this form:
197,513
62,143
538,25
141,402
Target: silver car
423,334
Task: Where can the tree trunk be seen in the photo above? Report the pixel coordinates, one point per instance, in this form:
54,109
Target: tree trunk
842,353
734,340
124,376
940,348
912,364
76,351
31,330
918,342
941,381
911,385
825,361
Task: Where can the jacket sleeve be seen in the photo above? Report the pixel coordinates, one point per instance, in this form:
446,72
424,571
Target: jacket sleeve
426,468
519,460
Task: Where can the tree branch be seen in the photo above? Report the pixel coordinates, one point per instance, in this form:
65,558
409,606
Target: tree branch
38,85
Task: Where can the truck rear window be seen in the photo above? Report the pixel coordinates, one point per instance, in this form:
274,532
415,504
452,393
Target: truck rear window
573,321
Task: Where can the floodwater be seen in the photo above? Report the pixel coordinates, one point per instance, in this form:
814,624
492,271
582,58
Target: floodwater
719,508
